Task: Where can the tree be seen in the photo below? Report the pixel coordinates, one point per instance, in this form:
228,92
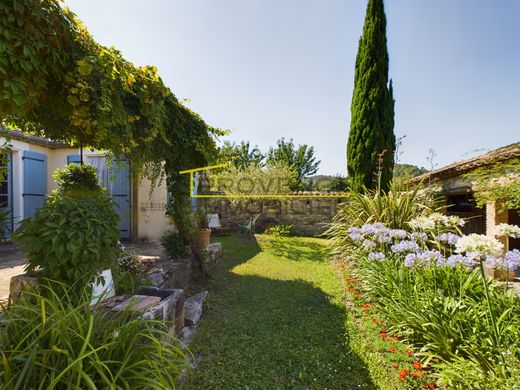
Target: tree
242,155
407,171
301,159
371,142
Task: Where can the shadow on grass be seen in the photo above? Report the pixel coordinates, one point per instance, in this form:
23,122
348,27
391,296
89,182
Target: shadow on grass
261,333
305,250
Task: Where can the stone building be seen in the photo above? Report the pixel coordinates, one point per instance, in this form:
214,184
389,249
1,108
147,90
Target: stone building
459,194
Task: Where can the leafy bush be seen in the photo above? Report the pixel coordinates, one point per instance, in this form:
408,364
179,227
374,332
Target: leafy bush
73,236
128,272
54,342
75,177
281,230
174,245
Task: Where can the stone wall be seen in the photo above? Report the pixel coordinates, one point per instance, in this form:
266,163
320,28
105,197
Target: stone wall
309,216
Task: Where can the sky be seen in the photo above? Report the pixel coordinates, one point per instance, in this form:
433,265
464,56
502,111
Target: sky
267,69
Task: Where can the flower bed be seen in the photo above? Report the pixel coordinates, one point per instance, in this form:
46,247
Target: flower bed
426,285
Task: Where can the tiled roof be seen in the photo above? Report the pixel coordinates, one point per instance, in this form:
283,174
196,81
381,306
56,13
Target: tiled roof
32,139
501,154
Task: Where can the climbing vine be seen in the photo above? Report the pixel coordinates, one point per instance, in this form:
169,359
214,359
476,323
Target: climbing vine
58,82
498,183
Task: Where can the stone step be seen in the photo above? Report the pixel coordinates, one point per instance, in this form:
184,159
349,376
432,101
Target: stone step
193,308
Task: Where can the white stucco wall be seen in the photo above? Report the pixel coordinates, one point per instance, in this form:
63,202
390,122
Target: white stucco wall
151,219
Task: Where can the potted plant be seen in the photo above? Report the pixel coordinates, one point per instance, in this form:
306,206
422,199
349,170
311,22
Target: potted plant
201,216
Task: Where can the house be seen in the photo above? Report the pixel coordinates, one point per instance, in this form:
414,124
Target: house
459,194
30,165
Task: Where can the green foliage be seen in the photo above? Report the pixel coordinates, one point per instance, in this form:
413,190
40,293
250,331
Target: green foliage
51,341
281,230
407,171
242,155
337,184
75,177
299,158
70,238
371,142
442,311
175,246
498,183
128,272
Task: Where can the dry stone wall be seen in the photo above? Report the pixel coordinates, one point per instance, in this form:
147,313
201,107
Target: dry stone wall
309,216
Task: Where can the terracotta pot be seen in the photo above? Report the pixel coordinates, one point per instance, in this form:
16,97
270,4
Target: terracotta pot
503,275
204,237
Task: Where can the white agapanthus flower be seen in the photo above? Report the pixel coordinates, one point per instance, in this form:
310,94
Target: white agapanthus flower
435,220
422,223
505,230
478,246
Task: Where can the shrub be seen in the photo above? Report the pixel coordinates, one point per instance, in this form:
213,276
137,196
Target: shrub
174,245
73,236
128,272
281,230
75,177
395,208
55,342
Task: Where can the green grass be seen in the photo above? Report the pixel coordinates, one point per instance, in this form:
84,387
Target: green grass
274,319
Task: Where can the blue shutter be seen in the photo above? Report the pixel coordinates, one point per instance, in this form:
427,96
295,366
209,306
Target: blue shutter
34,182
120,190
74,158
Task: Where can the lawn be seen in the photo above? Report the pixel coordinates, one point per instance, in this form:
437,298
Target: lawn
275,319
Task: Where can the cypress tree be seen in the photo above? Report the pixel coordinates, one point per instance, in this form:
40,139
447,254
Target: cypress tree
371,141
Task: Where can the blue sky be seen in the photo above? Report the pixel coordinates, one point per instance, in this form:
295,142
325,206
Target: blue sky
272,68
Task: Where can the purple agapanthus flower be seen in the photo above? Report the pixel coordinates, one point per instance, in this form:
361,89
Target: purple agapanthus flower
423,259
379,256
405,246
419,237
510,261
356,237
368,244
411,259
448,238
398,234
454,260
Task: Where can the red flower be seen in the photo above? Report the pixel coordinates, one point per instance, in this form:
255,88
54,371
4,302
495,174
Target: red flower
431,386
395,366
402,374
409,352
392,349
417,366
383,330
383,336
416,374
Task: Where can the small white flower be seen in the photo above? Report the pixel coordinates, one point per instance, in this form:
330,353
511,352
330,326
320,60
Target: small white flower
505,230
479,246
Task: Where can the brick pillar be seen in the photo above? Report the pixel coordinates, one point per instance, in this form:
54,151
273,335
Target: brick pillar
493,218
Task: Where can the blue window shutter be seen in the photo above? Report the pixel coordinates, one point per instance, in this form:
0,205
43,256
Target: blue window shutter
34,182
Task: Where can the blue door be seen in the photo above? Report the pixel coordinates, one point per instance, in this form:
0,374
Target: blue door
116,180
6,196
34,182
